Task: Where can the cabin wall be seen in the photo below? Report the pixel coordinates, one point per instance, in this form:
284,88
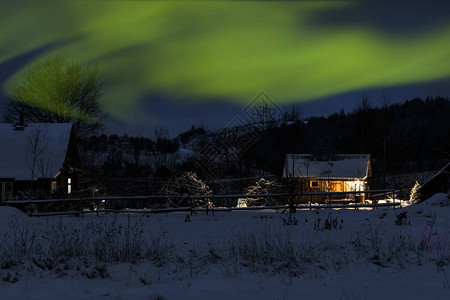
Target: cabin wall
44,186
313,185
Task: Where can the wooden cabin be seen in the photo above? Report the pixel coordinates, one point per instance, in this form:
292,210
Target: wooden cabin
329,173
36,156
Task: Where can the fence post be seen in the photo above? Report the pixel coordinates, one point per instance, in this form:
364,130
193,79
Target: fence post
393,198
292,203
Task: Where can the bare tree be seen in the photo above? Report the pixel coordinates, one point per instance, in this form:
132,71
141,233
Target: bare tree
363,122
293,116
159,157
164,155
58,91
265,115
37,141
365,104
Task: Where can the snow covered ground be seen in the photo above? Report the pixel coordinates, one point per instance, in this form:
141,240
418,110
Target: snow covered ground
312,254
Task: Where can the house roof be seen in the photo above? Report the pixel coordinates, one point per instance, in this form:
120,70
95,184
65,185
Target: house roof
50,141
339,166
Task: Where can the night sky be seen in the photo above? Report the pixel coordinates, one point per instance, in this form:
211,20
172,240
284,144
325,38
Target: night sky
181,63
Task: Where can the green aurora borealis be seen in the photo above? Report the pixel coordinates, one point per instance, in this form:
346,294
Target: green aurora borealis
203,50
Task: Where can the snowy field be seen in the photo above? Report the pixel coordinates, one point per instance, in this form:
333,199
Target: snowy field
312,254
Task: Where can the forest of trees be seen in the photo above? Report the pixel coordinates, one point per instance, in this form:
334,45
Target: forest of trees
410,137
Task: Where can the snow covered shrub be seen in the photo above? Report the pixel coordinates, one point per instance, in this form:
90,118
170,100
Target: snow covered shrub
415,195
262,186
282,186
186,185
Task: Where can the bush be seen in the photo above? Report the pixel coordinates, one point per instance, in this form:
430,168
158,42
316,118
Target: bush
415,195
186,185
262,186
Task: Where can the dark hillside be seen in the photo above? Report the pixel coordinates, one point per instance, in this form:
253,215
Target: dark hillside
409,137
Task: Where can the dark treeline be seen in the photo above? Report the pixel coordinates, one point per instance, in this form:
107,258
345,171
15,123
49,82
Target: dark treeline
409,137
127,156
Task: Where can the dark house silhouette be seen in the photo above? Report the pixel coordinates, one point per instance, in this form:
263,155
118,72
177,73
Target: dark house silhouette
37,156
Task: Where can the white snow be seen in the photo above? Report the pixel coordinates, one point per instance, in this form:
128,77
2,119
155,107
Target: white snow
360,254
348,166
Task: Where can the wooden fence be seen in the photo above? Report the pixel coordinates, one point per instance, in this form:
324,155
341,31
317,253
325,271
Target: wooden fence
293,204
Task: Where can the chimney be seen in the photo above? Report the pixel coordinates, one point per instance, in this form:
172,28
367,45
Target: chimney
21,124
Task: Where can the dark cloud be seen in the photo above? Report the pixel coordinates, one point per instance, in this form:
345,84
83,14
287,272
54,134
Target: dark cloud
394,94
176,115
396,17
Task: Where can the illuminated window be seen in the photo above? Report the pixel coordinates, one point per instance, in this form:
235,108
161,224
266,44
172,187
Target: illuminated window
69,185
356,185
53,186
314,184
335,186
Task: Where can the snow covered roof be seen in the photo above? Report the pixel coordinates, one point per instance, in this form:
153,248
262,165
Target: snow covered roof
341,166
49,141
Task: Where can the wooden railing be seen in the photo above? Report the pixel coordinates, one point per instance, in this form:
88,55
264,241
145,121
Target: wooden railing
292,204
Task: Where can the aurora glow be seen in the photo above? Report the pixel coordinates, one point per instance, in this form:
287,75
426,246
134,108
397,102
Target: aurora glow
202,50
